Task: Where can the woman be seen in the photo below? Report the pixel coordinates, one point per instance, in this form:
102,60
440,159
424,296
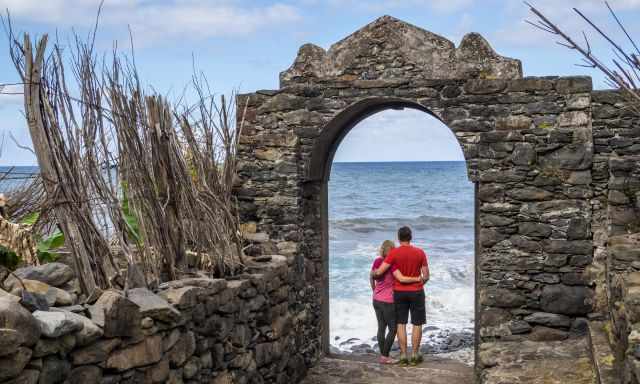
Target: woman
383,305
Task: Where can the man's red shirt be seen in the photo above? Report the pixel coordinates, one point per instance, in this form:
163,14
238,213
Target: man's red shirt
408,260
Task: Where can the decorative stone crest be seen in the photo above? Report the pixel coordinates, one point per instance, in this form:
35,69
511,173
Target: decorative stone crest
390,49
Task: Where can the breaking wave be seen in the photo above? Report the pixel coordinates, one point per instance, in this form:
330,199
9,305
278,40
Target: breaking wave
420,223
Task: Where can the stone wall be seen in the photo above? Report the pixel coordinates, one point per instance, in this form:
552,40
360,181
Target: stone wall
195,330
616,132
528,144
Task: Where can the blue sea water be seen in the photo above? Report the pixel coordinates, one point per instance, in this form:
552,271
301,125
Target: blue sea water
15,177
368,202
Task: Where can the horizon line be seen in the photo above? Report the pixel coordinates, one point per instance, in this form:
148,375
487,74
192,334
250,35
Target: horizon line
400,161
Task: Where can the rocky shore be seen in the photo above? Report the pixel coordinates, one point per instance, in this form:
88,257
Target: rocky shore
436,342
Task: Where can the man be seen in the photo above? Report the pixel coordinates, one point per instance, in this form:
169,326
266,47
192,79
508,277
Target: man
410,262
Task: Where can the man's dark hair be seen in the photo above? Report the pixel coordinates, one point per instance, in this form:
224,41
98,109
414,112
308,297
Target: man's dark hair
404,234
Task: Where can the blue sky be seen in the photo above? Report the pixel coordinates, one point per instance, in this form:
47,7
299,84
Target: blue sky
245,44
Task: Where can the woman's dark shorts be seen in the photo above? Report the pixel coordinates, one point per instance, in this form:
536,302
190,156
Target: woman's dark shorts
410,302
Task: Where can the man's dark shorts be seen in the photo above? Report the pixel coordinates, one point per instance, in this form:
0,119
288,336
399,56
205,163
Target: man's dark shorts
410,302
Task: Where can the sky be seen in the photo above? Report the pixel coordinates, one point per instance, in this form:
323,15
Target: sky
243,45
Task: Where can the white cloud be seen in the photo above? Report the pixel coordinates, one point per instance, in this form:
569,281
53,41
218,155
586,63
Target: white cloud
10,95
443,6
156,20
404,135
519,33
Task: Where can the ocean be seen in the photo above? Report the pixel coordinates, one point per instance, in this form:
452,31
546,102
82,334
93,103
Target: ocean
368,202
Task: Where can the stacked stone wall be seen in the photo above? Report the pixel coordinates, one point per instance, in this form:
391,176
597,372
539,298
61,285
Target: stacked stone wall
616,135
528,146
195,330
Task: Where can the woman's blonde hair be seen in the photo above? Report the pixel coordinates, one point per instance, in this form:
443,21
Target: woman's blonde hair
386,246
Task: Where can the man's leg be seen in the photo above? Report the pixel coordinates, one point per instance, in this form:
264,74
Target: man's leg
402,340
402,318
416,338
418,319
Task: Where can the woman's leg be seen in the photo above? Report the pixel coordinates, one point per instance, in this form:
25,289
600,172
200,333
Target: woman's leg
390,320
377,306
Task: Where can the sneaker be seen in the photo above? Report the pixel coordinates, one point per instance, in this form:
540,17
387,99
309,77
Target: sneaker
403,362
387,360
416,360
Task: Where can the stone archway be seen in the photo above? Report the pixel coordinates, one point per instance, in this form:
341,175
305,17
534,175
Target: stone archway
319,170
528,147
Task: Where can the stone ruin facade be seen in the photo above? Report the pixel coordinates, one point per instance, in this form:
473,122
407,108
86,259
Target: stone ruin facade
555,167
557,183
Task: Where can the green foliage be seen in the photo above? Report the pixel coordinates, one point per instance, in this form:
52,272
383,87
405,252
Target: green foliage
46,247
133,227
545,125
31,219
8,258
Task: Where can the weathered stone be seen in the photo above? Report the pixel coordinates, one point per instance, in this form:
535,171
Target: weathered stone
566,300
572,157
495,221
183,349
490,193
191,368
14,317
153,306
534,229
28,376
577,84
519,327
86,374
523,154
547,278
549,319
89,332
54,370
171,339
483,87
183,297
494,316
540,333
8,296
11,365
267,352
32,301
147,352
54,274
514,122
578,229
574,119
502,298
10,341
61,345
582,247
94,353
529,194
158,373
37,288
56,324
117,315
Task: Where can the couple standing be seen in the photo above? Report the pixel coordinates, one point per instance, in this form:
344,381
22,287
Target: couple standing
398,276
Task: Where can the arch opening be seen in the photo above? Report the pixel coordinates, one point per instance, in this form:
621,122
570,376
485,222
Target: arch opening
367,196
